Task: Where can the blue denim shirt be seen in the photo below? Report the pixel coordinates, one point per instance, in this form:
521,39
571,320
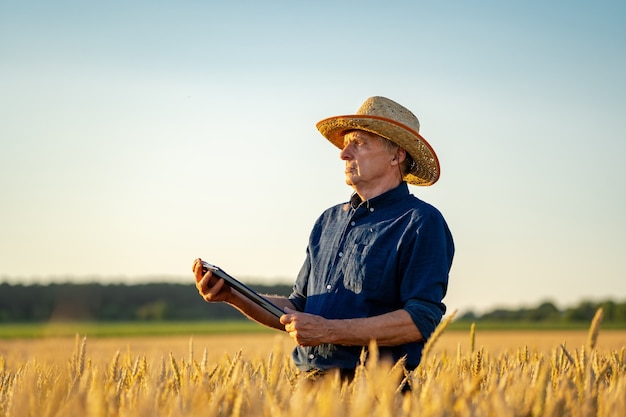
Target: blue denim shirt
368,258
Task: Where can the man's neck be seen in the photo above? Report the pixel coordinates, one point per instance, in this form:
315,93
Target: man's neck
367,193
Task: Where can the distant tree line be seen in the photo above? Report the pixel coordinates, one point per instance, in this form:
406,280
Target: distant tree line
613,312
114,302
170,301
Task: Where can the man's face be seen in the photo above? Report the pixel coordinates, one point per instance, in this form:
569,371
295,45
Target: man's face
368,159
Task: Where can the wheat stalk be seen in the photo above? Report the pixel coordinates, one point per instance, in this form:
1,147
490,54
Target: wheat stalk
594,330
436,334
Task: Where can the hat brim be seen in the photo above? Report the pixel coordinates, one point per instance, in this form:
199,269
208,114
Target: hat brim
428,169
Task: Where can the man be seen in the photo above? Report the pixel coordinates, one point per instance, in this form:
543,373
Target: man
376,267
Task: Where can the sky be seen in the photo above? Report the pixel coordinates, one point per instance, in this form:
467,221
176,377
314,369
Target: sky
138,136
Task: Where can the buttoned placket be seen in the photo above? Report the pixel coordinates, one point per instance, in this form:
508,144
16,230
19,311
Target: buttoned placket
362,210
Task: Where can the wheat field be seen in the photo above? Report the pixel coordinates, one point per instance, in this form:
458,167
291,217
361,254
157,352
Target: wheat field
538,373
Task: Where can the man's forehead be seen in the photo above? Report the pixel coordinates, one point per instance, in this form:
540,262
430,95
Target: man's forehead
361,134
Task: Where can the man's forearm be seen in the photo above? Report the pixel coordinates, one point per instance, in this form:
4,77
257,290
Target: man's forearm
255,312
389,329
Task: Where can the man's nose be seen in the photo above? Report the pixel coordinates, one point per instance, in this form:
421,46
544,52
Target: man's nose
346,152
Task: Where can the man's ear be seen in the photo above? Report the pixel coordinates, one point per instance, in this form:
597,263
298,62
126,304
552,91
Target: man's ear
399,157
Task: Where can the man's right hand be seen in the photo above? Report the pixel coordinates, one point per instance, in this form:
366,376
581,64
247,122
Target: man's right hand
211,288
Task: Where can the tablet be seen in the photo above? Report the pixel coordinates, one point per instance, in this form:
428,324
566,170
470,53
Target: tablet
243,289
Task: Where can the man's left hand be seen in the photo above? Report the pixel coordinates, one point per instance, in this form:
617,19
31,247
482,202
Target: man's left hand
306,329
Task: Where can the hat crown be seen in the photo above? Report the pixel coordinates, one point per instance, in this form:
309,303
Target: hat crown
383,107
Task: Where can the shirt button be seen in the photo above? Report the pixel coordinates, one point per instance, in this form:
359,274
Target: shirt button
328,287
311,356
340,254
371,209
352,223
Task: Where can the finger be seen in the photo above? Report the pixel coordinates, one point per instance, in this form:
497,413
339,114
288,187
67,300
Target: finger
199,272
288,317
198,264
214,290
203,281
289,328
195,263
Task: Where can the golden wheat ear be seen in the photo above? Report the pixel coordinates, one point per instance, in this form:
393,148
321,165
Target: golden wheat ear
436,334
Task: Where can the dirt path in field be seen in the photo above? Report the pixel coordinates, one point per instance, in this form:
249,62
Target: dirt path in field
258,346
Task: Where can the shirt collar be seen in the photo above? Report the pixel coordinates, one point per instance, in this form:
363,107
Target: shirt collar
385,199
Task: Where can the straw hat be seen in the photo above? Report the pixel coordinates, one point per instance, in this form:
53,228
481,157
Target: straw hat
394,122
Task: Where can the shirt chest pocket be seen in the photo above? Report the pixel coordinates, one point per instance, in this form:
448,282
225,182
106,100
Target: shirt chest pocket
365,268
